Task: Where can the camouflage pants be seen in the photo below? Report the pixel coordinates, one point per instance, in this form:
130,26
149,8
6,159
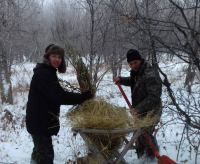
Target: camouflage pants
43,150
143,147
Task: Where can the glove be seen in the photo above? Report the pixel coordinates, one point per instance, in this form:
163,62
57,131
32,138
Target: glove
87,95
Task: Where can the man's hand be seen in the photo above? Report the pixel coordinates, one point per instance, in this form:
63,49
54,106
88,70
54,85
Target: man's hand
116,79
133,111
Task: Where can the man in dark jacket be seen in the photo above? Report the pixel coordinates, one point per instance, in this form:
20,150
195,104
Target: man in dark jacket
44,101
146,90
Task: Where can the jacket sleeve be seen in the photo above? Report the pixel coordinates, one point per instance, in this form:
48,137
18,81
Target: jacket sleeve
49,87
154,90
126,81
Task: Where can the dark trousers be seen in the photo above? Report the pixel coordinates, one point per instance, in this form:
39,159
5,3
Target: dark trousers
43,150
142,146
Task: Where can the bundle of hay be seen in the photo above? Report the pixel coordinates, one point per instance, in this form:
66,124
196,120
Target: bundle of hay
150,119
99,114
107,143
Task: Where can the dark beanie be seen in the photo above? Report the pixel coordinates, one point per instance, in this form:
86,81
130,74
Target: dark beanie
133,55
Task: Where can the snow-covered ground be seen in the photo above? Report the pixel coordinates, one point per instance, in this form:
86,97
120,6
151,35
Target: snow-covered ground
16,144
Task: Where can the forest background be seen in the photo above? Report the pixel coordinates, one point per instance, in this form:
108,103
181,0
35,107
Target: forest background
102,31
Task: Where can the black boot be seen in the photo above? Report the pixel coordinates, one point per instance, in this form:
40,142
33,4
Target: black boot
154,141
148,151
140,150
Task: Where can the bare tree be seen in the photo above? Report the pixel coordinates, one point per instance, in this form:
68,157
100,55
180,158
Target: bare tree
85,26
14,30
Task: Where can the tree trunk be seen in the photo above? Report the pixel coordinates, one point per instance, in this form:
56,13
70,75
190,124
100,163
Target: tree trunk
190,76
5,83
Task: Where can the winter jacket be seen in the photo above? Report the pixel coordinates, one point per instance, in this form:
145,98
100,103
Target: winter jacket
44,100
146,88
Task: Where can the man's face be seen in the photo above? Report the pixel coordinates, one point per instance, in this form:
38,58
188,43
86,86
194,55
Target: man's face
135,65
55,60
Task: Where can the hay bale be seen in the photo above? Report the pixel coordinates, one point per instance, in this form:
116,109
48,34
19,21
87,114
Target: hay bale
99,114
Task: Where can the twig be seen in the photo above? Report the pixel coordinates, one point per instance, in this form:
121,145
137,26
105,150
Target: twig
180,143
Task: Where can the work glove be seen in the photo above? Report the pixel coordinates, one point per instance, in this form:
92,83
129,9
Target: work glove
87,95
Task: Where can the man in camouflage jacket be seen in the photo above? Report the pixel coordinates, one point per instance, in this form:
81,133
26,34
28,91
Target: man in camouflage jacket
146,90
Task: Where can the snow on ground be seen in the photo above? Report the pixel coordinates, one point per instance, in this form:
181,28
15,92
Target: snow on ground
16,144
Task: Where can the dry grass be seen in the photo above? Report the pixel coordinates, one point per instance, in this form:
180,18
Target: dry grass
21,88
107,143
149,120
89,160
98,114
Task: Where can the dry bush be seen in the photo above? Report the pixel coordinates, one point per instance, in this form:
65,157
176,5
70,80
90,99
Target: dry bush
21,88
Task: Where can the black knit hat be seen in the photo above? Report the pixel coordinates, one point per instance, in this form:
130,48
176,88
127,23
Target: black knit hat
133,55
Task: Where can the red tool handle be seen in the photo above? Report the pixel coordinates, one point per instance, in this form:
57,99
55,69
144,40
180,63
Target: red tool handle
123,94
152,145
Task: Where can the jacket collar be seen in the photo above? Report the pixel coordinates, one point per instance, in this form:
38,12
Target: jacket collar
141,69
43,65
